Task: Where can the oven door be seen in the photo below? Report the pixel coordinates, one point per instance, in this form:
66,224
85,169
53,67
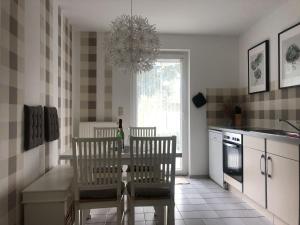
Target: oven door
233,160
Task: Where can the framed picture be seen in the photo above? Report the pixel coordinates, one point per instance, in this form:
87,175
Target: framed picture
258,68
289,57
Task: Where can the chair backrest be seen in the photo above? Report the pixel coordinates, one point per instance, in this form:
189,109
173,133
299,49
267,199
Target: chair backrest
142,131
97,163
104,132
154,162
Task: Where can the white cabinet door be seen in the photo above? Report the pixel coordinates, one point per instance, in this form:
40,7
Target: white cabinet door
254,175
283,188
216,157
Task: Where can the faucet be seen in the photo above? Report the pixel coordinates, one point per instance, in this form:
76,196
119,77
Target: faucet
296,128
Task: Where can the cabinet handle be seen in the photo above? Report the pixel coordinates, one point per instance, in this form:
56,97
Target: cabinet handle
270,171
262,171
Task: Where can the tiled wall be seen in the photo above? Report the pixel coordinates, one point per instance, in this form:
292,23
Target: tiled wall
15,171
259,110
217,99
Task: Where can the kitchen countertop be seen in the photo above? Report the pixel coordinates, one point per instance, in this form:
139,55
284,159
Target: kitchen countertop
240,130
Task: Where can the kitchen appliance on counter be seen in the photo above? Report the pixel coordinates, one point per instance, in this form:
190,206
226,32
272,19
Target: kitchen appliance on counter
233,159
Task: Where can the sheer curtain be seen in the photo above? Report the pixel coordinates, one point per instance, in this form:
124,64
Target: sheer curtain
159,99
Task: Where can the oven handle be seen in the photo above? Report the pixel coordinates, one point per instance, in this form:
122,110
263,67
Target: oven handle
230,145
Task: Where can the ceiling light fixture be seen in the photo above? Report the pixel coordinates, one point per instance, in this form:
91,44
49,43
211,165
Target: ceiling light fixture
133,43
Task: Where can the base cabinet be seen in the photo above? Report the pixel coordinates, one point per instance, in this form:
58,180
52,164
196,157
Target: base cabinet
271,177
254,175
283,188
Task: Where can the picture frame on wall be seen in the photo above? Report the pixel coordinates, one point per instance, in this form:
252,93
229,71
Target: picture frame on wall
258,68
289,57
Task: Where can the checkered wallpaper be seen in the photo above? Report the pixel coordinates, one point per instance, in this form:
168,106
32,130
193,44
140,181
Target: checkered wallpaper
95,62
88,76
67,82
107,89
12,29
47,76
259,110
11,109
59,73
64,81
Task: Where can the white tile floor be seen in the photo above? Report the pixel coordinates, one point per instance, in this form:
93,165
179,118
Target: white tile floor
201,202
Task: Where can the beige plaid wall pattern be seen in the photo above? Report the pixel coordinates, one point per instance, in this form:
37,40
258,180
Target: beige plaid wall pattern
59,74
108,73
64,81
90,53
107,89
88,76
12,180
11,109
46,44
67,82
259,110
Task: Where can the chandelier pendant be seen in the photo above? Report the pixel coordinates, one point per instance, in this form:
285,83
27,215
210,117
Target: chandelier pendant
133,43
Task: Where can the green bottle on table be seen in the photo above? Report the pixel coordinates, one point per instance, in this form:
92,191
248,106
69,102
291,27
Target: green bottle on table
120,133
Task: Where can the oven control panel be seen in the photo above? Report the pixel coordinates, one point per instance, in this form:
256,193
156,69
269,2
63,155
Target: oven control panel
232,137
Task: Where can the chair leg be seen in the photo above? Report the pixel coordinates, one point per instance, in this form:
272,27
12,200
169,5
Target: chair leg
119,214
171,217
122,211
159,214
77,216
82,219
131,214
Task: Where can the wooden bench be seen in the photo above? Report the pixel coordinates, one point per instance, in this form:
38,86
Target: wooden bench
49,200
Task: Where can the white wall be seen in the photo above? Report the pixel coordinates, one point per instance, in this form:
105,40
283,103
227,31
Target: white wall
213,63
268,27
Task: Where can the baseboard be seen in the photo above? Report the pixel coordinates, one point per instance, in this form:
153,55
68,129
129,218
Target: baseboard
198,176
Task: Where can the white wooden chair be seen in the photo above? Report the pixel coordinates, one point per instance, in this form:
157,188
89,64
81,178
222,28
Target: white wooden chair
104,132
153,187
142,131
94,188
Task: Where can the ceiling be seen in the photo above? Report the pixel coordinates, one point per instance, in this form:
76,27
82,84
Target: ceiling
220,17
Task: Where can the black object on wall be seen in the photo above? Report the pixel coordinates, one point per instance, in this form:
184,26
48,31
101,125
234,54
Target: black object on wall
33,126
199,100
51,124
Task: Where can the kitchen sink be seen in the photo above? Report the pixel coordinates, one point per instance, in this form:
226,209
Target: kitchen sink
278,132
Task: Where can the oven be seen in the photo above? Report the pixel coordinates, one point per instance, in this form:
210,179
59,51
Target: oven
233,159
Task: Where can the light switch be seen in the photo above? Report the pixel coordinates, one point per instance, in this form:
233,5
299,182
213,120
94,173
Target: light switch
120,111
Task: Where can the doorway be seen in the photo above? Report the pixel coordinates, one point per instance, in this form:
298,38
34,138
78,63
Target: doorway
160,100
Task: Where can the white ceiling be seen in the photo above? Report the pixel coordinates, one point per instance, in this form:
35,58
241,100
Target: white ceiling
222,17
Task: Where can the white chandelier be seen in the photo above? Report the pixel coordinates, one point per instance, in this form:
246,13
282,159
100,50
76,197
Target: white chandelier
133,43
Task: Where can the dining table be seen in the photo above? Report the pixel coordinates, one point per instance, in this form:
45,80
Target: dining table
67,156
